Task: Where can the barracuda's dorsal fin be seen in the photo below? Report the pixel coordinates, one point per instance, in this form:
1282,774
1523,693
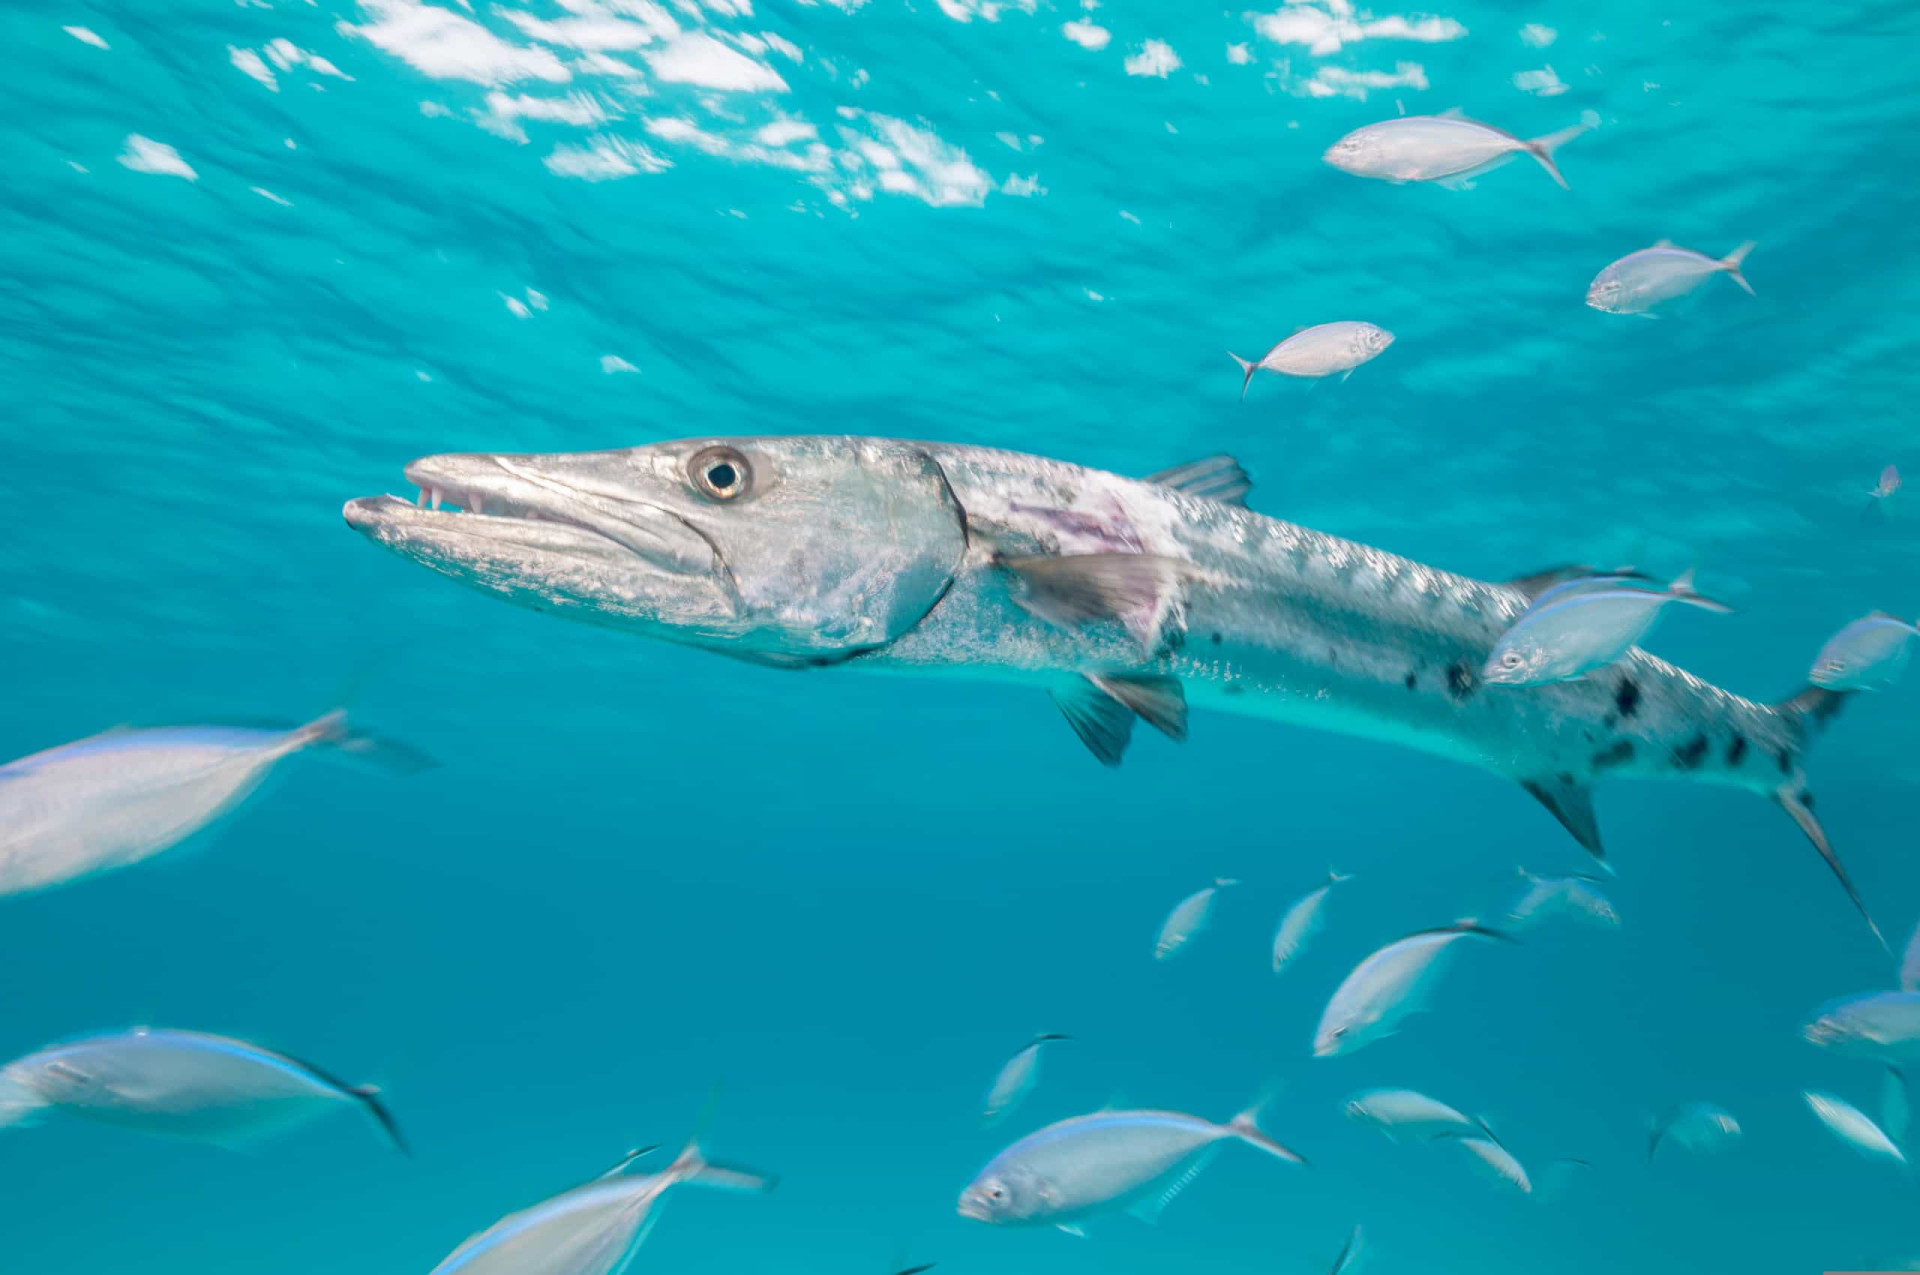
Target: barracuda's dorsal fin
1571,802
1218,478
1101,707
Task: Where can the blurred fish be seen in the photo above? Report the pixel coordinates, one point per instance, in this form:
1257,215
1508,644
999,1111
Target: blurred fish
1133,1160
1447,148
1394,1111
1301,922
1554,896
1016,1079
1581,631
1188,920
1698,1127
1386,987
1896,1108
1866,655
1852,1125
593,1229
1883,1025
1875,508
1349,1254
181,1084
1500,1160
1910,963
915,1270
1639,281
1320,350
115,799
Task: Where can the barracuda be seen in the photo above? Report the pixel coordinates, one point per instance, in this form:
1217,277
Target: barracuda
1123,598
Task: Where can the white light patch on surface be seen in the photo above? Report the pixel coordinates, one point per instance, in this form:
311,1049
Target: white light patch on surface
85,36
1538,36
1541,83
1326,26
270,197
1156,58
1088,35
698,58
248,63
144,155
1338,81
440,43
612,363
605,159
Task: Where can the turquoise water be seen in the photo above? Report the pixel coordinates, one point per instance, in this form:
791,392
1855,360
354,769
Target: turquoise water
640,869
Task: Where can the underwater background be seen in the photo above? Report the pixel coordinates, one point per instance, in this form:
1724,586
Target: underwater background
640,870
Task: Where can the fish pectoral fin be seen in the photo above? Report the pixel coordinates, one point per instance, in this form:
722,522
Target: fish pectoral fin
1797,802
1149,1209
1218,478
1140,591
1159,701
1571,802
1103,723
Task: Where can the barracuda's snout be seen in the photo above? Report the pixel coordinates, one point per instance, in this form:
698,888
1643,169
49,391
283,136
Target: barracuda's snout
785,550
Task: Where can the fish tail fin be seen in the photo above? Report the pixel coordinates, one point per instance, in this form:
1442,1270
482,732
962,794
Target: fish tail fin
1542,149
1731,264
369,1096
333,732
692,1165
1246,1127
1683,591
1045,1037
1335,878
19,1105
1247,369
1221,883
1808,714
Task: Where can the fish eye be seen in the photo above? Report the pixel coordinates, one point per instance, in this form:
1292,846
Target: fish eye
1510,659
720,473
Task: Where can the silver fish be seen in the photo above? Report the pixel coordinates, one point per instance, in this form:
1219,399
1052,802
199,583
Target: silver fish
1866,655
1188,920
1318,351
1499,1160
1910,963
1110,1160
1884,1025
1395,1111
1896,1106
118,798
1301,922
181,1084
1016,1079
1699,1127
1127,600
1888,484
1639,281
1555,896
1386,987
593,1229
1448,148
1852,1125
1582,631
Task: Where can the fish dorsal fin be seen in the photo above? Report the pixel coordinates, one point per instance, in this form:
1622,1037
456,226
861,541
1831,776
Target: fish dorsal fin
1218,478
1452,113
1663,243
1142,592
1571,802
1118,1100
1149,1209
620,1166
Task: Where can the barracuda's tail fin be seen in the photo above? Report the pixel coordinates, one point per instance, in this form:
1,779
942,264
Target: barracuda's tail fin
1808,713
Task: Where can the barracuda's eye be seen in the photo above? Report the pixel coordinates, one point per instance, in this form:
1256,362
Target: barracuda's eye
720,473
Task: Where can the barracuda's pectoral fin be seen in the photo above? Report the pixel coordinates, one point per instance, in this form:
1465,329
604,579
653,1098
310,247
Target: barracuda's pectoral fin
1799,803
1101,707
1218,478
1142,592
1571,802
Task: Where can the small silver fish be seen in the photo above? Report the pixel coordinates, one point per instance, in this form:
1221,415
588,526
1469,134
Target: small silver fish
1500,1160
1448,148
1395,1111
1884,1025
1866,655
1110,1160
1699,1127
1639,281
1016,1079
1896,1106
1888,484
1852,1125
118,798
1386,987
181,1084
1301,922
1188,920
1318,351
593,1229
1581,631
1577,896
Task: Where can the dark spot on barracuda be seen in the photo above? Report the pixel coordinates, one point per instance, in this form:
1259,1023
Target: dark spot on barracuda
1333,656
1234,688
1216,639
1737,750
1413,681
1460,679
1806,799
1619,755
1786,761
1690,754
1627,699
1609,722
